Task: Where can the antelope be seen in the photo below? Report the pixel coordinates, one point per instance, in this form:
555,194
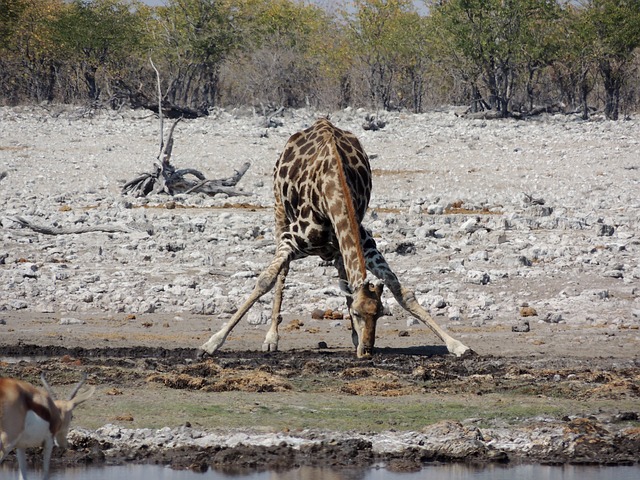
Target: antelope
32,417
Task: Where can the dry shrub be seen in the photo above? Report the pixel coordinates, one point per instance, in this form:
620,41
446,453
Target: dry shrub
210,377
127,417
180,381
366,372
586,426
528,312
248,382
294,324
614,390
313,367
380,388
208,368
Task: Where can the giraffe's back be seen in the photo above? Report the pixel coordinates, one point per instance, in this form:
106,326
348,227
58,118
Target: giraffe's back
307,182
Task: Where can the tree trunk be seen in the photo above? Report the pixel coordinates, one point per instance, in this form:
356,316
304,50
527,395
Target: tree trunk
90,79
612,79
584,90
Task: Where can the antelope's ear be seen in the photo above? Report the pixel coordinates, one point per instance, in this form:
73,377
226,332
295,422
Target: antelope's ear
83,396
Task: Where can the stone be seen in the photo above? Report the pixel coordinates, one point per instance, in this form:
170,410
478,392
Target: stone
412,321
71,321
438,302
469,226
435,209
28,270
613,274
552,317
521,327
603,230
256,316
477,277
454,314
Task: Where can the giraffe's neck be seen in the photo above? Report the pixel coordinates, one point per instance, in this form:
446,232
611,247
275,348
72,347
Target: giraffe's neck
347,228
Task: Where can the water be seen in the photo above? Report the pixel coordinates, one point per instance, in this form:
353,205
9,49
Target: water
440,472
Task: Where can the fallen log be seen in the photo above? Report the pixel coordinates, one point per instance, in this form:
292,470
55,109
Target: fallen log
73,230
221,185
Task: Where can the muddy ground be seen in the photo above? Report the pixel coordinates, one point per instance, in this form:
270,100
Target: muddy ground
409,405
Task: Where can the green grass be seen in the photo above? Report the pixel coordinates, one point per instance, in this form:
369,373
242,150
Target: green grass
160,407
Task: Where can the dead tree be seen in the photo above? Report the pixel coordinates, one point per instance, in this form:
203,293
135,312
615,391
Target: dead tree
167,179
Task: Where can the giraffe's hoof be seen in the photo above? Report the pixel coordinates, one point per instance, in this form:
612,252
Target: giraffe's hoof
457,348
269,347
202,354
468,353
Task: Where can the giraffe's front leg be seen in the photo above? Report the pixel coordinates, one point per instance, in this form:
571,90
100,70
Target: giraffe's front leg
356,327
215,341
266,281
271,340
377,264
410,304
407,300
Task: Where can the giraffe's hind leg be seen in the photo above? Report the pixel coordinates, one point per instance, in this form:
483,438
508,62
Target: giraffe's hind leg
271,340
377,265
266,281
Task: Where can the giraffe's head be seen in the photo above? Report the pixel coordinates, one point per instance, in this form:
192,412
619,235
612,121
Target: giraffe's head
365,307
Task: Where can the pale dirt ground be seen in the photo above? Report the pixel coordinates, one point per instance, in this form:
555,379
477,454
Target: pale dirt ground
63,167
158,330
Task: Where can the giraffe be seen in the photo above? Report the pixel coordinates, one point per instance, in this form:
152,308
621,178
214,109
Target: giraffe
322,186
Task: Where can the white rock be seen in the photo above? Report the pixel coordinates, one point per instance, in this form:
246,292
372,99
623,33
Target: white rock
71,321
477,277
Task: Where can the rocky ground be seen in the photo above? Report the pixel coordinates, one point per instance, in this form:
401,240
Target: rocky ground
520,237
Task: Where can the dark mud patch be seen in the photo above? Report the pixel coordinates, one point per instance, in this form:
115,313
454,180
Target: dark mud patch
328,408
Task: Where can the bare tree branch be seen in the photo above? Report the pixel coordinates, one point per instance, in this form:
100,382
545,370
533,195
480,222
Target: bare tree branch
68,231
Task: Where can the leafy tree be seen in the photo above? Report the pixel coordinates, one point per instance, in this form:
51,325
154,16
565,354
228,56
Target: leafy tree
381,35
415,58
577,62
279,54
542,38
194,39
495,41
29,58
100,35
615,30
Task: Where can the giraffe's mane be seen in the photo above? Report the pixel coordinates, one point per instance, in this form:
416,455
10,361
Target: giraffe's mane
354,225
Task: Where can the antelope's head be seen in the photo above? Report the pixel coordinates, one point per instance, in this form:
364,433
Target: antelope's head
66,408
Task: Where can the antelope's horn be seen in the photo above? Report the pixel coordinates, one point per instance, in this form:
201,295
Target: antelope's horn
78,386
47,387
